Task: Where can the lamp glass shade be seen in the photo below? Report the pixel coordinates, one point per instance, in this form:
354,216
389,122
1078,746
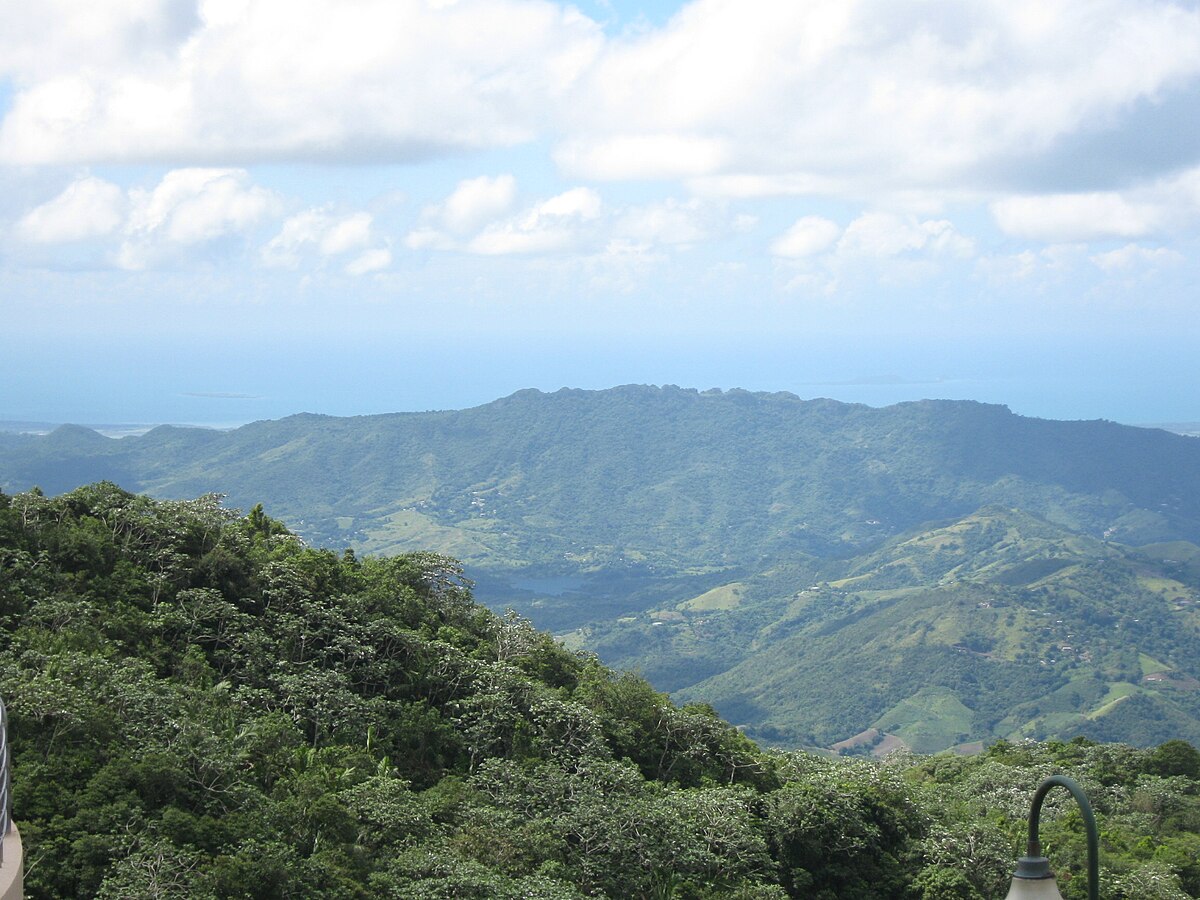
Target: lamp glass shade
1033,889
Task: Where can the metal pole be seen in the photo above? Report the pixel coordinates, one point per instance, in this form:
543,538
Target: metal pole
1089,821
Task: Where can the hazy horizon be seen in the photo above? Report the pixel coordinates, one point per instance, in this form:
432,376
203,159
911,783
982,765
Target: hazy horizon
216,211
1086,386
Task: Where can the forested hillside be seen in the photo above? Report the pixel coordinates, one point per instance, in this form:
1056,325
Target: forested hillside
202,706
200,701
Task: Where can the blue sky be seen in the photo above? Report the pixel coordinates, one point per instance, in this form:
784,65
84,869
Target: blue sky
228,210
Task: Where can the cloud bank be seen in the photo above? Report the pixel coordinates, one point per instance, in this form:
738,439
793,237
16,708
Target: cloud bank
1052,123
247,80
739,97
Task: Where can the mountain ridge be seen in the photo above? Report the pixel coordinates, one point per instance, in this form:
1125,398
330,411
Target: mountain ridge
773,442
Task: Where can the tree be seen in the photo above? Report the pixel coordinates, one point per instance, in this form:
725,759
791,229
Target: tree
1175,758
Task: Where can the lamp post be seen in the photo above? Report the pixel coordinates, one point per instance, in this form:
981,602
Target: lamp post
1033,879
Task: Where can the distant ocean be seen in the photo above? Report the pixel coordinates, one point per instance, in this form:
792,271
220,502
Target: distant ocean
229,384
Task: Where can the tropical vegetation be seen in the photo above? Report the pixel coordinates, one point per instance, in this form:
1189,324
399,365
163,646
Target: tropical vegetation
204,706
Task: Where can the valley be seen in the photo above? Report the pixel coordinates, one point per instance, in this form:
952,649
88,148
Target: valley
934,574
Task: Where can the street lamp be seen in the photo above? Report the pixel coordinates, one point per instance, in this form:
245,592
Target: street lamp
1033,879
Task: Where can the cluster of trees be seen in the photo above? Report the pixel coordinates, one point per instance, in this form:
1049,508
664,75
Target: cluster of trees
202,706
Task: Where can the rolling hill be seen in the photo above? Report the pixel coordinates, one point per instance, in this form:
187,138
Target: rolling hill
997,625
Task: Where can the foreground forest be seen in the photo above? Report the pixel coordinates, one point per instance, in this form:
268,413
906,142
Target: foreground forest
202,706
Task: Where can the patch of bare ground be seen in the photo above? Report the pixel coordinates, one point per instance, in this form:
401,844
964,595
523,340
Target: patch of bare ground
1176,680
889,743
858,740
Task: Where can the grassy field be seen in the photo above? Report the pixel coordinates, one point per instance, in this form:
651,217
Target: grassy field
727,596
930,720
1150,665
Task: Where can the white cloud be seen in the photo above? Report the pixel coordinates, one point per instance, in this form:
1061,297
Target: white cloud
223,13
1063,217
859,96
321,231
472,204
348,233
89,207
1133,256
473,219
1186,187
551,226
670,221
748,187
477,217
304,229
371,261
643,156
1054,263
42,39
580,202
188,207
809,236
882,235
1161,206
192,205
875,248
1073,264
289,79
475,202
739,97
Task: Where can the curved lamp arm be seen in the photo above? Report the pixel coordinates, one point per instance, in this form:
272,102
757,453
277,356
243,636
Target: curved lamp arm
1035,866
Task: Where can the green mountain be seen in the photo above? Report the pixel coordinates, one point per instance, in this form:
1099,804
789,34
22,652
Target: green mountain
203,707
641,477
757,551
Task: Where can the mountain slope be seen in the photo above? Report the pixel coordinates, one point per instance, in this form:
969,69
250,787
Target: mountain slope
201,706
759,551
643,476
996,625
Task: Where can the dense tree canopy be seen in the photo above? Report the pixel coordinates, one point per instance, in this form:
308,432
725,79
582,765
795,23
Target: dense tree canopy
202,706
